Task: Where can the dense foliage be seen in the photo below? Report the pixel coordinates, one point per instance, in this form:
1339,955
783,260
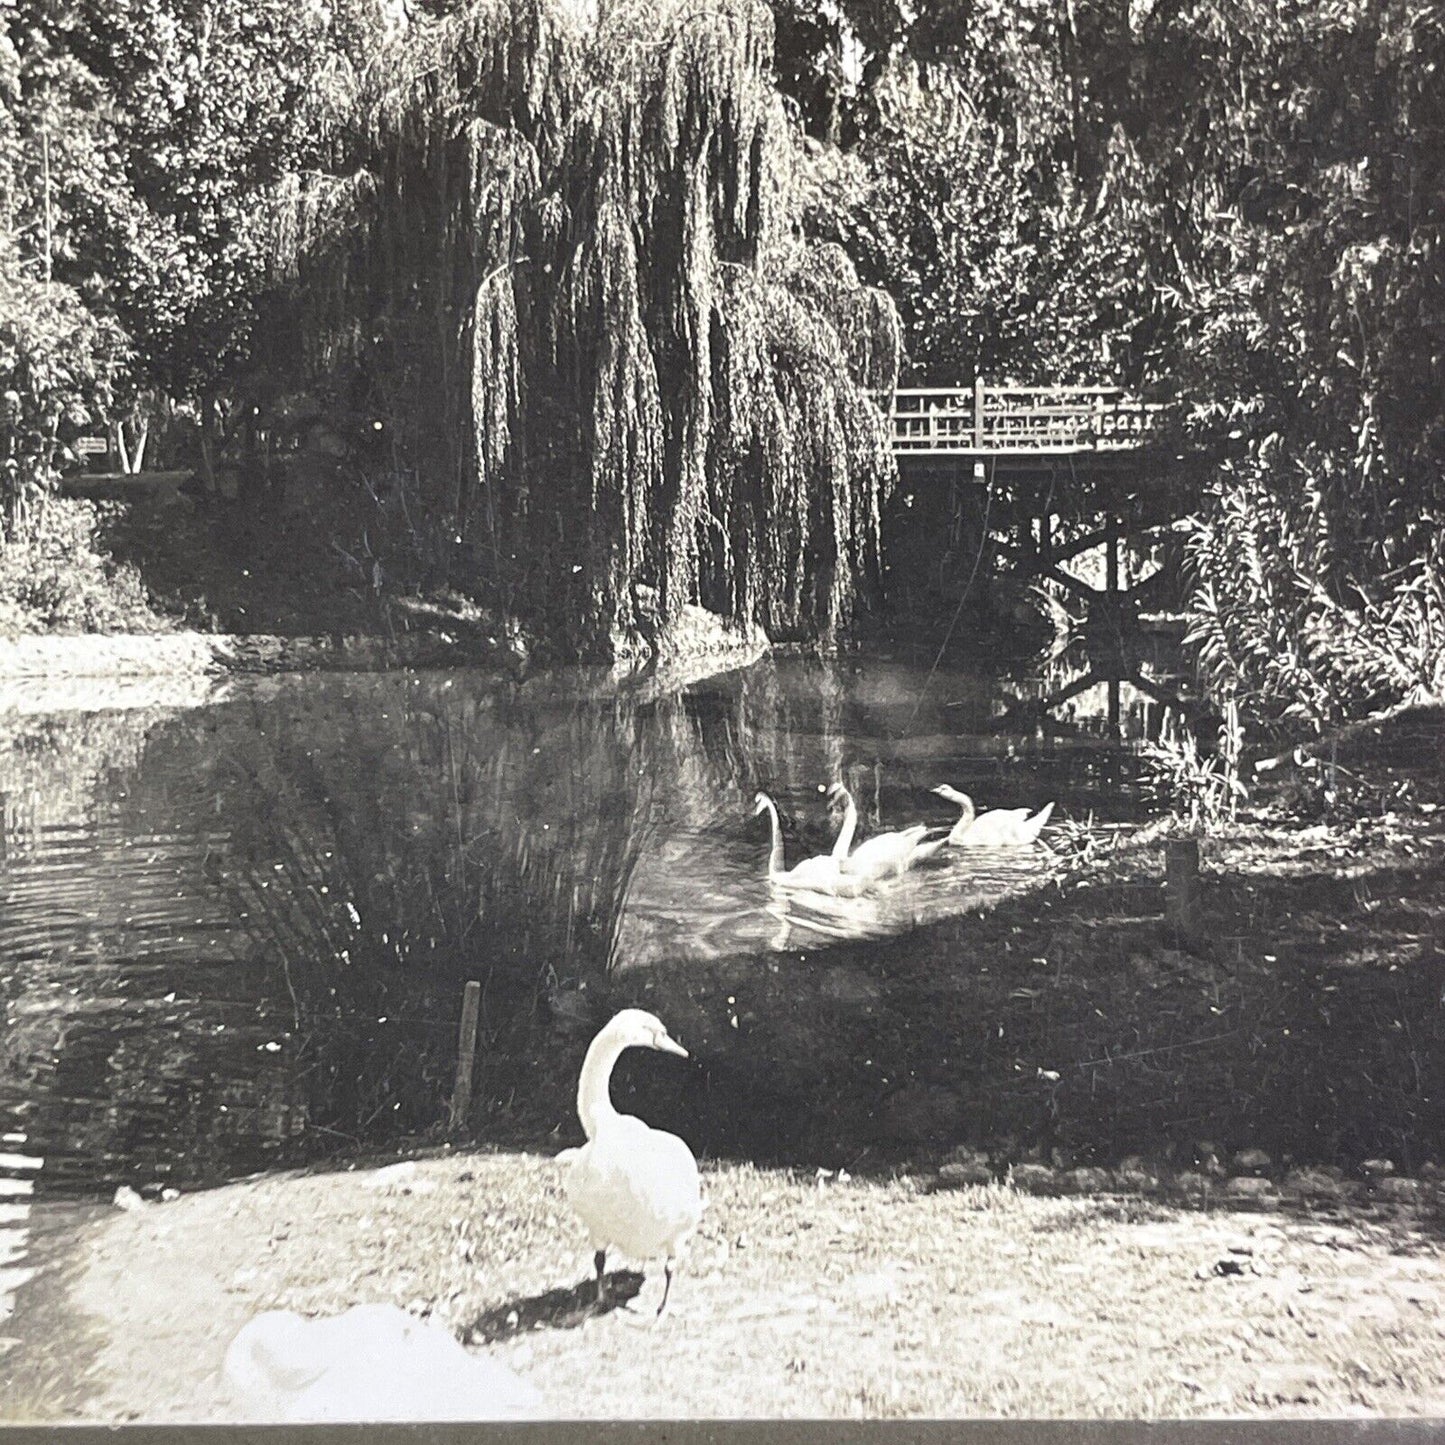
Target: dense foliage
543,265
57,575
1318,329
1236,205
59,365
140,137
961,198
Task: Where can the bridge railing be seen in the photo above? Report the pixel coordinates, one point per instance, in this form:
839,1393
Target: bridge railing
1017,420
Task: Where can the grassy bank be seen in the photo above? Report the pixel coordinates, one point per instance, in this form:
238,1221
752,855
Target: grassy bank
803,1296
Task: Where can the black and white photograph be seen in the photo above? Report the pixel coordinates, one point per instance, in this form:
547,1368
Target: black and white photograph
722,710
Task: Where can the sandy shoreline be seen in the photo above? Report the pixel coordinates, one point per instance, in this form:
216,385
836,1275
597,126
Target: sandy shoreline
60,673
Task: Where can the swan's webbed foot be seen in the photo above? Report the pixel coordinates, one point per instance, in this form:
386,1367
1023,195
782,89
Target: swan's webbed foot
599,1262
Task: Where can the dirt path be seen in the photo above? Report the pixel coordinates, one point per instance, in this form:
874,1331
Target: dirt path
802,1298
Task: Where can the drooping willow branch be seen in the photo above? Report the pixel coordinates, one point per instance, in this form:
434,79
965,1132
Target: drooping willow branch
565,259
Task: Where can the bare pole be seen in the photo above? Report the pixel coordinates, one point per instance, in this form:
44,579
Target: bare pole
1181,886
466,1055
45,173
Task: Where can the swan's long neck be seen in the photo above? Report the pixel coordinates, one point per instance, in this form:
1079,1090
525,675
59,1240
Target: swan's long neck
594,1098
965,803
775,858
966,814
850,826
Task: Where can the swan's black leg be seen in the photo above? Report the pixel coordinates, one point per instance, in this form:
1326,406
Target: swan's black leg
599,1261
666,1286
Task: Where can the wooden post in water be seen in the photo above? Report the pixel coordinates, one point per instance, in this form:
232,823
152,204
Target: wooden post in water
1181,885
466,1056
1111,589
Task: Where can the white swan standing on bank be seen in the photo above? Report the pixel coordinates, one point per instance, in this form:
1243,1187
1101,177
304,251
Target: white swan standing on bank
997,828
820,874
882,856
636,1188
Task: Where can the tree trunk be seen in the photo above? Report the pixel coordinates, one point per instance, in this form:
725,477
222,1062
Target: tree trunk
142,436
208,465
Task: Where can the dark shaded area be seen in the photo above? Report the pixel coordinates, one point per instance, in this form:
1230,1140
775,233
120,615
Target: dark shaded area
256,956
556,1309
222,565
1071,1025
1305,1018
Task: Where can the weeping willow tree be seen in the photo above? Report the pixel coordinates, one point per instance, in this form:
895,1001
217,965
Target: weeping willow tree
559,257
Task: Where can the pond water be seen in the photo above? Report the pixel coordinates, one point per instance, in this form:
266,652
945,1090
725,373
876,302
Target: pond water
235,924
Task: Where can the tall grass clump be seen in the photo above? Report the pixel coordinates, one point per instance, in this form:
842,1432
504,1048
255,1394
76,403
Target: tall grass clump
429,843
557,259
1202,789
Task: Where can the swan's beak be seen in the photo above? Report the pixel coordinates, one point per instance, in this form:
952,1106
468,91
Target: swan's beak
670,1045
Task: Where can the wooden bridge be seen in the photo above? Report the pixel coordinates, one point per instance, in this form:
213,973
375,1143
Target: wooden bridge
1039,476
1017,421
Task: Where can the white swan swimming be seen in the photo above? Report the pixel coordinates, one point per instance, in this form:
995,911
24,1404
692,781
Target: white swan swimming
997,828
882,856
636,1188
819,875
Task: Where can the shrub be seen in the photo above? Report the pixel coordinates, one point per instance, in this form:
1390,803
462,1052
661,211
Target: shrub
1282,625
56,578
1203,791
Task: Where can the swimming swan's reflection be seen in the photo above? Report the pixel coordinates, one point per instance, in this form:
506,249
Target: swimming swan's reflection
923,895
808,916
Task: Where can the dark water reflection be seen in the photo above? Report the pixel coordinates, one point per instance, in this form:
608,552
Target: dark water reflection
234,928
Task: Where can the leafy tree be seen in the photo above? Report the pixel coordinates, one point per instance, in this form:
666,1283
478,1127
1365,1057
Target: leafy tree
142,135
1311,331
563,267
1002,265
58,370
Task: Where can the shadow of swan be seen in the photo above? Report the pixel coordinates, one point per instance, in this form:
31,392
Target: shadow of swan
556,1309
